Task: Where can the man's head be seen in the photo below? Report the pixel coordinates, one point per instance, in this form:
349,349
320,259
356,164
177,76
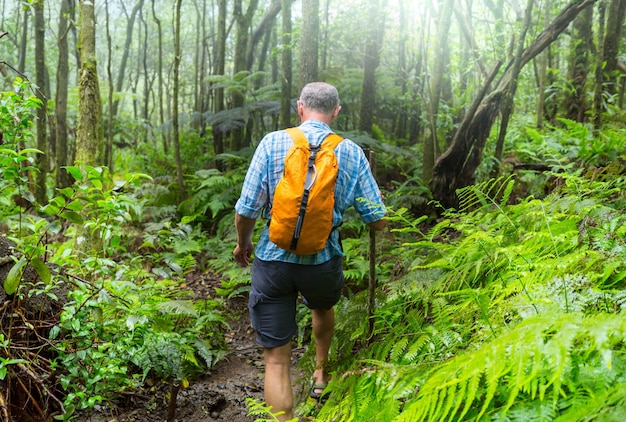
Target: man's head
319,97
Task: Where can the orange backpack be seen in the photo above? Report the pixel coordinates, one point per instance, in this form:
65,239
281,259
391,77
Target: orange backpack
302,210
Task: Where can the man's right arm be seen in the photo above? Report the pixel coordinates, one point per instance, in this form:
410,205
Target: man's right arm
243,250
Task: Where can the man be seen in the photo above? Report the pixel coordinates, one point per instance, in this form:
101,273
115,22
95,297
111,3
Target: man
278,275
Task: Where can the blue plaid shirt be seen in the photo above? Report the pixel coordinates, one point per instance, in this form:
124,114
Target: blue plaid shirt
355,186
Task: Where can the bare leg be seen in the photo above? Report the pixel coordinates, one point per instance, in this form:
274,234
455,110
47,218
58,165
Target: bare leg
277,386
323,328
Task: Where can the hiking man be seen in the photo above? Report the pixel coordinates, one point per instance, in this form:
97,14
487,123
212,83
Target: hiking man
279,275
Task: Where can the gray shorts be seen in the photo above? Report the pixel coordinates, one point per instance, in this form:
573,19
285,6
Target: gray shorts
275,288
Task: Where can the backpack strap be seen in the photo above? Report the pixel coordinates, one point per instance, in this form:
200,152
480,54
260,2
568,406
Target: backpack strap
333,140
300,138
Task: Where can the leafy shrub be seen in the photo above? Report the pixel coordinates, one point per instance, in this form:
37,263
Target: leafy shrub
17,113
125,316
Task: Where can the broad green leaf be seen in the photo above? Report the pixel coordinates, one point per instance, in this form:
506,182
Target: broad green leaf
54,332
72,216
188,219
42,270
74,206
50,209
67,192
14,277
31,150
76,173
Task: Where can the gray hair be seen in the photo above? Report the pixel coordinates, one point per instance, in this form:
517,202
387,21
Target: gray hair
320,96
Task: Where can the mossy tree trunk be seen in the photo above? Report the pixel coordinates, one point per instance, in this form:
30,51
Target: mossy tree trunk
61,156
219,69
431,142
575,103
41,160
287,78
371,59
177,52
89,134
243,22
119,85
309,42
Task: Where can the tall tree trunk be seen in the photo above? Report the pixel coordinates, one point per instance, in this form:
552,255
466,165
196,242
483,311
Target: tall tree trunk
108,148
402,74
243,23
543,76
265,49
309,42
612,38
599,74
21,66
126,51
197,62
286,79
89,135
575,103
261,29
203,103
220,60
274,57
177,51
325,31
507,102
376,24
62,178
431,143
148,79
41,160
455,168
417,91
160,76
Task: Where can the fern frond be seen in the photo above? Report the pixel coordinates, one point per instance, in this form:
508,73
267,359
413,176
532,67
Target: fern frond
506,194
611,403
208,353
490,192
178,307
187,263
398,349
533,359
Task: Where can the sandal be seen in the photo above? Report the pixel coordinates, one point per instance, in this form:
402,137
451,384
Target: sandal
317,392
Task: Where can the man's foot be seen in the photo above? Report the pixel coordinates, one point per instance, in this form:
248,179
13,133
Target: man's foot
317,392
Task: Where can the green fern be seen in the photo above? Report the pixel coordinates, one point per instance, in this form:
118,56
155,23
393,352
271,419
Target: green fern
178,307
534,360
262,412
494,192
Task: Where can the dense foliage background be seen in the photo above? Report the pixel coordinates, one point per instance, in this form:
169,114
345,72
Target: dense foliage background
499,135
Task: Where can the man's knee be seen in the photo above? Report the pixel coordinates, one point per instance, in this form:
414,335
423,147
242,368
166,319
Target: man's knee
278,355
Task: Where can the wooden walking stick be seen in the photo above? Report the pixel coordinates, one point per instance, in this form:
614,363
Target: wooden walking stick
372,257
